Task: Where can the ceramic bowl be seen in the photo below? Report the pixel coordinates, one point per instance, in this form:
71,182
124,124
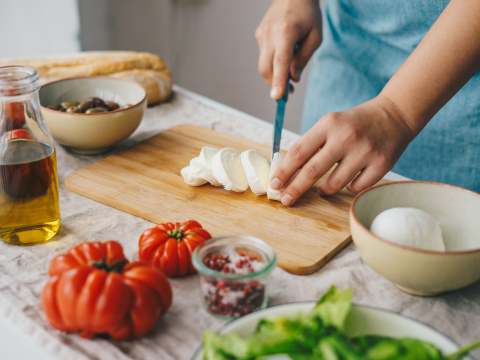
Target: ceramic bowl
93,133
416,271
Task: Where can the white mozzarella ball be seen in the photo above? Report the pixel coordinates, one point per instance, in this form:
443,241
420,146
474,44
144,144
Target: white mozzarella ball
409,227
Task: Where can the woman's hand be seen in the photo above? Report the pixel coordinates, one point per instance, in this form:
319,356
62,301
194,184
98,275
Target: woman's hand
287,23
367,139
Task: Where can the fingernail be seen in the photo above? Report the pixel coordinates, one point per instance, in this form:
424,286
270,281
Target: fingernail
320,192
287,200
275,184
298,73
276,92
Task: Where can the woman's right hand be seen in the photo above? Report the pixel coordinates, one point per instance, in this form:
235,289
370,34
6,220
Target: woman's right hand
287,23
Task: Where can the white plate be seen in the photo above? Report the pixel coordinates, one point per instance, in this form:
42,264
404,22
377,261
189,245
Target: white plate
361,321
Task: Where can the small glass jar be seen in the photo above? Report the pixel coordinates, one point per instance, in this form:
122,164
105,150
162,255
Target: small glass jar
234,273
29,206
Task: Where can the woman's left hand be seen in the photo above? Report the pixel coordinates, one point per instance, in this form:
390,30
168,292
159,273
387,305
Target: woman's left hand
366,142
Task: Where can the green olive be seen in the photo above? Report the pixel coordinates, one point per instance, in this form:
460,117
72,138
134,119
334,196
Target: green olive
53,107
67,104
95,110
112,105
85,105
72,109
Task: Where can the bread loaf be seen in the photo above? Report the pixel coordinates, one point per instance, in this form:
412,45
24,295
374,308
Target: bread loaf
147,69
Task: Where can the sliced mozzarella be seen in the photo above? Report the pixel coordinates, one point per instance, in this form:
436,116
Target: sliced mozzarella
257,169
277,194
191,178
202,170
228,170
207,154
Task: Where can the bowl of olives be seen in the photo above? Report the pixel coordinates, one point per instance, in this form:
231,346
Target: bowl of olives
91,114
91,105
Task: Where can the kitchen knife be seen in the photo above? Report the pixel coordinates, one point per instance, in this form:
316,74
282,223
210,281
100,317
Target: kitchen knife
278,126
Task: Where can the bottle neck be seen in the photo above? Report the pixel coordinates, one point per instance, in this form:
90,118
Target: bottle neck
18,81
19,97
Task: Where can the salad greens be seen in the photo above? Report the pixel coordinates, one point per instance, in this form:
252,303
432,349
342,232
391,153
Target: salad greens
319,335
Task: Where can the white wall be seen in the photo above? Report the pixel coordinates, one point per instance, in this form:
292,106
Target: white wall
208,44
36,28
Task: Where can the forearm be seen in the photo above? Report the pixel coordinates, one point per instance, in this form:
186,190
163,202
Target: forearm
447,57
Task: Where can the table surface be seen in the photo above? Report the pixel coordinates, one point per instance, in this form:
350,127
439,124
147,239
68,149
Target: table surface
24,334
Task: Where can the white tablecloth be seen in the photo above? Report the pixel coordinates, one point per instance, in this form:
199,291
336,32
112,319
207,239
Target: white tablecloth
23,271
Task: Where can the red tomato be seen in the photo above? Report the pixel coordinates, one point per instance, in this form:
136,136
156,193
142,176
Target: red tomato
169,246
15,113
94,290
19,134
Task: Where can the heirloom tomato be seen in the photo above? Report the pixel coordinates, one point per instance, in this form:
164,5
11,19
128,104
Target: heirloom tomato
93,289
170,246
15,113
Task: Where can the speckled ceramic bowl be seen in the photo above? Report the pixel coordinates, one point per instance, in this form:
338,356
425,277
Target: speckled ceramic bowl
416,271
93,133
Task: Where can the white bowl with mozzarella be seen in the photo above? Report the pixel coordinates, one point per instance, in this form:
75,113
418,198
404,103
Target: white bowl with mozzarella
414,270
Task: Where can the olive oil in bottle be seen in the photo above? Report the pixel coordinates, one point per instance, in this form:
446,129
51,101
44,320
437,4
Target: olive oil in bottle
29,206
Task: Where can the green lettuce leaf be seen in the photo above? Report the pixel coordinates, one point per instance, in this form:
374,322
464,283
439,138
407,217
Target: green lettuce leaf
233,346
384,348
334,307
337,348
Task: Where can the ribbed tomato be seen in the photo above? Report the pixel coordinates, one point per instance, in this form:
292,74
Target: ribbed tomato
170,246
19,134
93,289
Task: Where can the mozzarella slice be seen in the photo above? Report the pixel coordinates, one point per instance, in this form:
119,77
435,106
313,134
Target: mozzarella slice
207,154
277,194
191,178
202,170
228,170
257,169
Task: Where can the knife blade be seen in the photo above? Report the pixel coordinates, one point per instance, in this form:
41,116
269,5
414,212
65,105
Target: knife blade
279,116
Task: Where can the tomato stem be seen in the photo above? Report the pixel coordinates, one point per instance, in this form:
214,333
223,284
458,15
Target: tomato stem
177,234
102,264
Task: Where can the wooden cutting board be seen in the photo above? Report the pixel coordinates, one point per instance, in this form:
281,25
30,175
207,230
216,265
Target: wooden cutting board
145,181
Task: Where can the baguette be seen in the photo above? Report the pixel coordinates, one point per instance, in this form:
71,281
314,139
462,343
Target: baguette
157,83
147,69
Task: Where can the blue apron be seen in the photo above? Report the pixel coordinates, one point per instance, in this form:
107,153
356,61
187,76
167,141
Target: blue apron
364,43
